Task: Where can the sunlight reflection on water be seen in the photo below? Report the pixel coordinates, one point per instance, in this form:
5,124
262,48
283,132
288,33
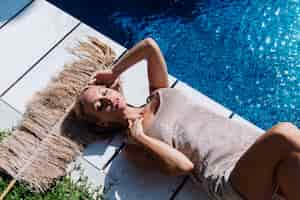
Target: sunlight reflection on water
244,54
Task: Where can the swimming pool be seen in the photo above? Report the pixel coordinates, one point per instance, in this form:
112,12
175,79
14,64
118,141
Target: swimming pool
243,54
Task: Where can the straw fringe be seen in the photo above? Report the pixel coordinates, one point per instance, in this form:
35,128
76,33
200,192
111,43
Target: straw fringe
50,162
15,151
49,130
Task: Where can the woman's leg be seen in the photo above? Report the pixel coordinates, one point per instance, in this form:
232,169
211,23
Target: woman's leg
273,159
288,176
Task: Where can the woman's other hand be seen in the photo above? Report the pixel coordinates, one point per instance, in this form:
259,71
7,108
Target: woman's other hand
136,129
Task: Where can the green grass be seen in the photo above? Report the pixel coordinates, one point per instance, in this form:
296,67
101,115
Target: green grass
64,189
3,134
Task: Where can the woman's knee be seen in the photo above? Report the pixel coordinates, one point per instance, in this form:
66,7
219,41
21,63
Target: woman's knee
150,42
284,126
285,136
286,130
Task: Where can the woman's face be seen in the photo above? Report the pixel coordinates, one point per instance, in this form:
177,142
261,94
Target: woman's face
104,104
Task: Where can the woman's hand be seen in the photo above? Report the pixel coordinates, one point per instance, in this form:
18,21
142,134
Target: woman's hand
169,159
107,78
136,129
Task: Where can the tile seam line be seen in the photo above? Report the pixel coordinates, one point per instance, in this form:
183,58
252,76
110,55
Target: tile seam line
10,106
179,187
16,14
40,59
118,150
88,162
231,115
175,83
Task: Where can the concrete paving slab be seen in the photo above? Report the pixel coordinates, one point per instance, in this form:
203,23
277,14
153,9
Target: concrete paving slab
245,122
203,100
29,37
127,181
191,191
135,83
80,169
100,152
9,117
51,65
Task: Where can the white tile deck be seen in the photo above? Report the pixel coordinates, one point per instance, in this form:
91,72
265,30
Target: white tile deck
245,122
53,63
135,83
40,32
128,181
100,152
80,168
29,36
191,192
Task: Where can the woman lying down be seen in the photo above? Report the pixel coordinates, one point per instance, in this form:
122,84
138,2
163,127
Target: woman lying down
181,137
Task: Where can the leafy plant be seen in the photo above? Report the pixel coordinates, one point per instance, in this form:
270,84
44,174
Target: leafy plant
65,189
3,134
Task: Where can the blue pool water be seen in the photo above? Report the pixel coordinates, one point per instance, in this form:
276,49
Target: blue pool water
243,54
9,8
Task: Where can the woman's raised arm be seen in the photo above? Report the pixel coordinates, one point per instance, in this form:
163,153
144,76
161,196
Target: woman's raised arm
156,65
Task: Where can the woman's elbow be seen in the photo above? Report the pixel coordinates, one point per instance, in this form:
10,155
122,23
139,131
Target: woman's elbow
150,42
187,168
151,45
180,170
